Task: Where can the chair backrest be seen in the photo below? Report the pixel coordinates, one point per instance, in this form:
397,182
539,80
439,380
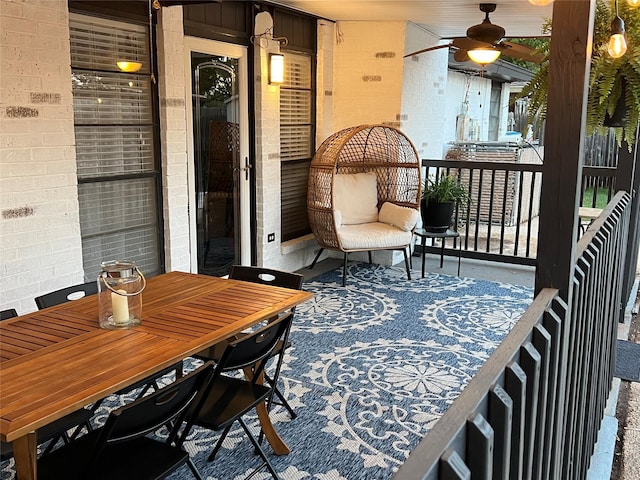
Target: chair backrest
7,314
147,414
266,276
66,294
252,348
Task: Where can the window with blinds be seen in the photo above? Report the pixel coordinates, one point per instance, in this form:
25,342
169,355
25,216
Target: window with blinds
296,142
118,175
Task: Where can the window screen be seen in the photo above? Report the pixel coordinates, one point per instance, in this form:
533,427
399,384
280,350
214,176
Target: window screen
118,177
296,143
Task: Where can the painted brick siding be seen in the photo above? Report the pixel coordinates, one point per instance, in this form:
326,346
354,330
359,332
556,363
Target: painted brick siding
424,93
267,168
40,246
368,69
173,138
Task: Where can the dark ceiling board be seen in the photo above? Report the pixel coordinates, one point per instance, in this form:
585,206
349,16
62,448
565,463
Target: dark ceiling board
169,3
137,10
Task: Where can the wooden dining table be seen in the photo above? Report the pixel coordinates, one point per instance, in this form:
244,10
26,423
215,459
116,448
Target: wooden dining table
57,360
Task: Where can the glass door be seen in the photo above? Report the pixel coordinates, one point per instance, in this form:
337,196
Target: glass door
219,163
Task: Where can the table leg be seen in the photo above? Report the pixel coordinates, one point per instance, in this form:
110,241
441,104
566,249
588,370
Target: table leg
424,240
459,252
278,445
442,252
25,455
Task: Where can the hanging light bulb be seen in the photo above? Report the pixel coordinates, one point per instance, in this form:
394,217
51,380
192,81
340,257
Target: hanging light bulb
541,3
617,43
483,56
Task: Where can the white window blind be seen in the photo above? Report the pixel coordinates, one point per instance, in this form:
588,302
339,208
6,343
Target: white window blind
115,144
295,108
296,143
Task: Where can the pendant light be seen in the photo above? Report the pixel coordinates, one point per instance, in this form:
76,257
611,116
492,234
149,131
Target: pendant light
617,43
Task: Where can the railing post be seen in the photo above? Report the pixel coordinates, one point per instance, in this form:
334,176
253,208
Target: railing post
571,40
628,179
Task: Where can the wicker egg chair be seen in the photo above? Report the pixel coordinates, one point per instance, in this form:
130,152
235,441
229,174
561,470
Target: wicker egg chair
380,149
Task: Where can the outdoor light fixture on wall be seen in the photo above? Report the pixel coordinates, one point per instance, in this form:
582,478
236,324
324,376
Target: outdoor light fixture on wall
129,66
617,43
276,68
483,56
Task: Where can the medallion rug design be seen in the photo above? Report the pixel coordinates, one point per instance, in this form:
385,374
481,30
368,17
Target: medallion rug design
372,367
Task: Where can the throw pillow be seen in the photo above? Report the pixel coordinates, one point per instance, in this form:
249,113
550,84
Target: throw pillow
404,218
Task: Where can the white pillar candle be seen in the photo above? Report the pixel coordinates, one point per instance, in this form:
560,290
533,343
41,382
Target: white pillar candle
120,304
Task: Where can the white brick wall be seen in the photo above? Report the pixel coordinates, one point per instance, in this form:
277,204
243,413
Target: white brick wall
40,247
326,34
173,138
424,93
368,69
267,111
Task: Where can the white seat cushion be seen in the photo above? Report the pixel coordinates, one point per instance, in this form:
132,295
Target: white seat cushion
372,236
356,196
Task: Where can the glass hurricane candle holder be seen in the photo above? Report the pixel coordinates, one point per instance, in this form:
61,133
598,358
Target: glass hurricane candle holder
120,286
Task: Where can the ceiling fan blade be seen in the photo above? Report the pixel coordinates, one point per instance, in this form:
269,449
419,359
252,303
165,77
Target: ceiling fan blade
468,44
521,52
436,47
461,55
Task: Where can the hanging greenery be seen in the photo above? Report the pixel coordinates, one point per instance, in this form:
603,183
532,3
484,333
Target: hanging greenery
613,82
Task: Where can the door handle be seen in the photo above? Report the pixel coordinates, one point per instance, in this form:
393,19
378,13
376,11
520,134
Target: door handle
246,168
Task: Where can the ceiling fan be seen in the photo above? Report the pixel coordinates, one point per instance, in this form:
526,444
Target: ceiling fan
484,43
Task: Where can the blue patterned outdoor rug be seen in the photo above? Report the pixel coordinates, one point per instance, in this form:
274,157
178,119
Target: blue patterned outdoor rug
372,367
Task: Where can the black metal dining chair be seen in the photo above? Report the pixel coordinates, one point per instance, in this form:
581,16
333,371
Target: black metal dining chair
228,398
57,430
264,276
7,314
125,447
67,294
76,292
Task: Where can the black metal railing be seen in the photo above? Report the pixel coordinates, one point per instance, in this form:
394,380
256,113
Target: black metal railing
501,222
534,409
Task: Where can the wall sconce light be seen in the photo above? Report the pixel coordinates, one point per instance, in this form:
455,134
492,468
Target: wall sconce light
130,67
617,43
483,56
276,68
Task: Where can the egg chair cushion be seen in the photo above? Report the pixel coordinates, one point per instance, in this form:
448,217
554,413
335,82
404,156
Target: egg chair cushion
356,196
373,236
404,218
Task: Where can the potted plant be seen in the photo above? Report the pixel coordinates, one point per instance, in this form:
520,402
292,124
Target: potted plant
439,198
614,83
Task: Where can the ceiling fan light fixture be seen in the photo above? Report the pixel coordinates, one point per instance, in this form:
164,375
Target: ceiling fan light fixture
542,3
633,3
484,56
